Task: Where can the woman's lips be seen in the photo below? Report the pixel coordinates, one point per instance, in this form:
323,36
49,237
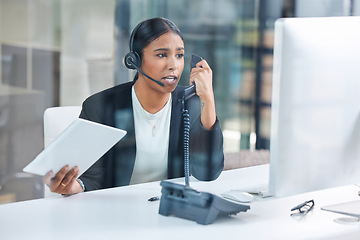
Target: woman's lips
170,79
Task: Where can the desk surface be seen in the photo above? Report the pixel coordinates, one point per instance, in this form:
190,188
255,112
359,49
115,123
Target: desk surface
125,213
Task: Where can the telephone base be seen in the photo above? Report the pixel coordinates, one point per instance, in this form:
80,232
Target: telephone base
201,207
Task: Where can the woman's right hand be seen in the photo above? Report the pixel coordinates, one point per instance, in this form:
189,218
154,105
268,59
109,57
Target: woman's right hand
64,182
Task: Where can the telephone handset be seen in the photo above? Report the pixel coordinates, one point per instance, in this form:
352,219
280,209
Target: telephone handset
194,60
191,90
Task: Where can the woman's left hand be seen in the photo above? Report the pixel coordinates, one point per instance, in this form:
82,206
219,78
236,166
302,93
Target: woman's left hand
202,77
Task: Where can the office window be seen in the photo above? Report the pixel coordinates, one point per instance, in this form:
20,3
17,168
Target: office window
61,51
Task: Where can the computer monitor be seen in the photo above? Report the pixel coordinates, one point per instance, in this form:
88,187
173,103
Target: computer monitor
315,124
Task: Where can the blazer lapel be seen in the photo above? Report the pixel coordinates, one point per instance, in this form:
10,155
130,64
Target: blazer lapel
175,159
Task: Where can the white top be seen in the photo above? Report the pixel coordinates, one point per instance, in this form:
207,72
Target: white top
152,142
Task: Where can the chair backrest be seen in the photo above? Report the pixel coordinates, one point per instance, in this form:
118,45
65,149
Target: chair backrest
56,120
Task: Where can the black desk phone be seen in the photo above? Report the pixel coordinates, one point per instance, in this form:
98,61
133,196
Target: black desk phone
183,201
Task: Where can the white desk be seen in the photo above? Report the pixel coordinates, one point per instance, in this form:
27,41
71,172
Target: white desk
125,213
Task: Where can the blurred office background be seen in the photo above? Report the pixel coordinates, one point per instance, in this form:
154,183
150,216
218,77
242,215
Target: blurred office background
58,52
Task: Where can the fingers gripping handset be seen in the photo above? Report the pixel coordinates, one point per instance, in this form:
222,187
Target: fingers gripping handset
191,90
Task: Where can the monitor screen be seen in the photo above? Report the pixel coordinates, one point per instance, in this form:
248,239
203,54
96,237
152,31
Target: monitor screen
315,124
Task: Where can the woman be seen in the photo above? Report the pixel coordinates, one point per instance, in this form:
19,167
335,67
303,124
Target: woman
151,114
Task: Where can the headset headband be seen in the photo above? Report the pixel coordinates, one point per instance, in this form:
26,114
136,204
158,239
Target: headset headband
132,36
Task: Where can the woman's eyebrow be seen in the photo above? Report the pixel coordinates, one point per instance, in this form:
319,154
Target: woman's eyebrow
167,49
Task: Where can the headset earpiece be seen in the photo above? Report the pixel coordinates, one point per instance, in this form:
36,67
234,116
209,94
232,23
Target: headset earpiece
131,59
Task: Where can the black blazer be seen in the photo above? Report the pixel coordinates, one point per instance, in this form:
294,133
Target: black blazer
113,107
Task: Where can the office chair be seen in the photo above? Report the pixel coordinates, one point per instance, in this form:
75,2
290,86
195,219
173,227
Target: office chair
56,120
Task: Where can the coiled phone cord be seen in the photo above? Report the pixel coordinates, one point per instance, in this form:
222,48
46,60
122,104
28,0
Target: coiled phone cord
186,119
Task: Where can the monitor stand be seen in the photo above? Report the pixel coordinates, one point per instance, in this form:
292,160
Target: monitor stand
350,209
348,220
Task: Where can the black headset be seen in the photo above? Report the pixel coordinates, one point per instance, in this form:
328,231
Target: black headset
132,60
